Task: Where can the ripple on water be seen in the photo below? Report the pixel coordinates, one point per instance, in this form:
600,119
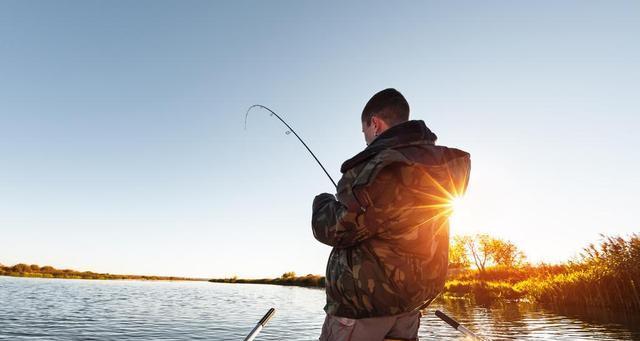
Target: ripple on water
51,309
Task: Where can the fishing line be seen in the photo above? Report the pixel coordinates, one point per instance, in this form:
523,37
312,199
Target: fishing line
288,132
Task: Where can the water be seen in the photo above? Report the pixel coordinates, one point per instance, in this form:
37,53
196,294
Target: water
54,309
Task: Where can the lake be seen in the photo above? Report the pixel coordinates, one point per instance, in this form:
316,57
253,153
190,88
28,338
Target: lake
58,309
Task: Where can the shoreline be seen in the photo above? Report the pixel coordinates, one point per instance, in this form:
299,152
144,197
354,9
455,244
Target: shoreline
287,279
36,271
604,278
176,279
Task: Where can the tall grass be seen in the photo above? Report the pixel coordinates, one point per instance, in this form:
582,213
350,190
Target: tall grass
607,275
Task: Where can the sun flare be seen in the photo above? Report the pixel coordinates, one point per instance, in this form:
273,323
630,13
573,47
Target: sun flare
456,204
461,218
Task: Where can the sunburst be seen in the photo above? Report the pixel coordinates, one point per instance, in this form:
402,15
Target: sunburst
439,199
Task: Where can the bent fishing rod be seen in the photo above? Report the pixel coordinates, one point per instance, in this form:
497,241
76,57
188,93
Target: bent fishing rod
288,132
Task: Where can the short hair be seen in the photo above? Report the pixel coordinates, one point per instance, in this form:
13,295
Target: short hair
389,105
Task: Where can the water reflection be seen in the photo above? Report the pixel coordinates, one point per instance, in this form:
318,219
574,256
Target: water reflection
50,309
526,321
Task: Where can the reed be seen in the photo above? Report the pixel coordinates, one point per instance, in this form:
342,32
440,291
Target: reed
606,276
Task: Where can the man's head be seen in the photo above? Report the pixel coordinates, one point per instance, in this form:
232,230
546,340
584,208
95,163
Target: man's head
384,110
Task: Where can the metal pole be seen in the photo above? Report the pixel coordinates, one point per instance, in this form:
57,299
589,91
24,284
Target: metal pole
263,322
457,326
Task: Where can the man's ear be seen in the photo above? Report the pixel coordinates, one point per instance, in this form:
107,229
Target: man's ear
380,123
376,121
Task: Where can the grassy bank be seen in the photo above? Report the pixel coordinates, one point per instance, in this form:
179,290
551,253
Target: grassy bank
288,278
606,276
33,270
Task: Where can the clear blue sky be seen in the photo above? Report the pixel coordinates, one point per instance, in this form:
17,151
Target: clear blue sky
122,146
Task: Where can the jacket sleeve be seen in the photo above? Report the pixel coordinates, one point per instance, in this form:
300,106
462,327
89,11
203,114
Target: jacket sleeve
334,224
342,225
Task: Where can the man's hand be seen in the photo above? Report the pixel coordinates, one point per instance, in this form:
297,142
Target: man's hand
334,224
322,199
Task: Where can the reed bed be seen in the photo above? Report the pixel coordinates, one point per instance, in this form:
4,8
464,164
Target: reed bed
606,275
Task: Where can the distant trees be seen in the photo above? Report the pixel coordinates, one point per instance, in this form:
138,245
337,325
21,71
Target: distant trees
483,250
506,254
288,275
21,268
458,255
34,270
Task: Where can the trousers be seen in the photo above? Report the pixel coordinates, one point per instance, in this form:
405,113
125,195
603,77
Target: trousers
402,327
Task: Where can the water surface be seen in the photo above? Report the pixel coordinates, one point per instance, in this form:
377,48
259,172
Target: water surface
57,309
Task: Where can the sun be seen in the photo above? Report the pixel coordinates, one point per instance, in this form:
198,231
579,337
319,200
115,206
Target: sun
461,215
456,205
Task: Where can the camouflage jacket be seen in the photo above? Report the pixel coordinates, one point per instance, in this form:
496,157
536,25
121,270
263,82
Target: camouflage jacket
389,225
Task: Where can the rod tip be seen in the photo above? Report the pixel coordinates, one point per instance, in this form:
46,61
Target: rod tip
267,317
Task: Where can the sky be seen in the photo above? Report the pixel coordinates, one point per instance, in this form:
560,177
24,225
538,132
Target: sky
123,147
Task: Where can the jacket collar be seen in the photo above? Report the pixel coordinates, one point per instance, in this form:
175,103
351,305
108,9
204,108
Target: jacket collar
401,134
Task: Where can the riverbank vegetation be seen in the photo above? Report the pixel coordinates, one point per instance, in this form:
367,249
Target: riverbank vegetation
487,269
288,278
33,270
483,269
606,275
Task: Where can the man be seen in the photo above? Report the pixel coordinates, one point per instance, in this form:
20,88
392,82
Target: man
389,225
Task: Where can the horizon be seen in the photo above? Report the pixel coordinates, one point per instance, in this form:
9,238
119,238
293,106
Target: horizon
472,267
124,150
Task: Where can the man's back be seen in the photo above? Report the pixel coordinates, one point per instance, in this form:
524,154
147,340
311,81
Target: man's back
389,226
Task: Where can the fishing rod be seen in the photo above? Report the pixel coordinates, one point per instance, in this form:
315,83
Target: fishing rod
288,132
263,322
457,326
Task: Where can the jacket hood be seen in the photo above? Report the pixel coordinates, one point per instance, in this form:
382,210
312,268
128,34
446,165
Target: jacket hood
410,132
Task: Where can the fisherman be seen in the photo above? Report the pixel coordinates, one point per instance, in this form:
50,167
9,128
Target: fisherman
389,226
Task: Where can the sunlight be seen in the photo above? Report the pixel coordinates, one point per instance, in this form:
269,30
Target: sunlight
456,204
440,193
461,216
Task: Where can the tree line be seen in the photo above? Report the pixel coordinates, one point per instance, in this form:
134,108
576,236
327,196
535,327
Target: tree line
34,270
